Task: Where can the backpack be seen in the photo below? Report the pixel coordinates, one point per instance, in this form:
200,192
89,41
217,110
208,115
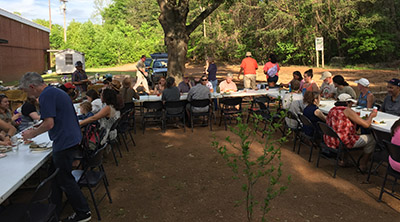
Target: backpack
91,138
272,71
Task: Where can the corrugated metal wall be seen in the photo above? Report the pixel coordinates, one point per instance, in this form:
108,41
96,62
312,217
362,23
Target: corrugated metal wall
25,51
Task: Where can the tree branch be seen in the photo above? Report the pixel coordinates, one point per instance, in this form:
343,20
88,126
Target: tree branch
199,19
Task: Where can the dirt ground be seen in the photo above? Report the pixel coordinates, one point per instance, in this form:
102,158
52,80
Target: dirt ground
177,176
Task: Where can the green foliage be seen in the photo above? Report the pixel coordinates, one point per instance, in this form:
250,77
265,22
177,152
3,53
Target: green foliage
263,170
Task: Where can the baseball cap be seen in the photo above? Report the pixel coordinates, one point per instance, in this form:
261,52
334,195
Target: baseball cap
78,63
344,97
394,81
69,85
248,53
325,75
363,82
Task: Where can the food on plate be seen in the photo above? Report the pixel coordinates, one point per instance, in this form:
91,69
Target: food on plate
26,142
381,122
5,149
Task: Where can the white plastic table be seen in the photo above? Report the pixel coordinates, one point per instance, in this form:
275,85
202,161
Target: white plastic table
389,119
19,165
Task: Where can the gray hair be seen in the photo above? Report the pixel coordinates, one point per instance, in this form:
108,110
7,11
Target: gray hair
30,78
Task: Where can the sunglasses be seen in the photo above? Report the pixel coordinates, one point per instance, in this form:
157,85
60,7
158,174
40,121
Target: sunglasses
203,79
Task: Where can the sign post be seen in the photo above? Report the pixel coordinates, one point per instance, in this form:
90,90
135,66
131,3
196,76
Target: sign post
319,46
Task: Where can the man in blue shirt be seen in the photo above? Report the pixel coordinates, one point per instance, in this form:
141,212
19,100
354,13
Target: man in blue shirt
60,120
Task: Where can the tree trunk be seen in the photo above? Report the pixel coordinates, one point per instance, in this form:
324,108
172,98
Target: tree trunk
177,44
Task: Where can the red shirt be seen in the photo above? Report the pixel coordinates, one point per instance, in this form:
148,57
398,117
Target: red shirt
343,126
249,65
269,65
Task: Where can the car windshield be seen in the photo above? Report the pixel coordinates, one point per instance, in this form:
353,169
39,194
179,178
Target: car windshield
160,64
147,62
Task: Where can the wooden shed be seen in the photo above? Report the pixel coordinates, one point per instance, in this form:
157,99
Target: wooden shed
23,46
66,59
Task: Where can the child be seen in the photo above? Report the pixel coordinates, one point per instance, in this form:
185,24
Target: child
86,110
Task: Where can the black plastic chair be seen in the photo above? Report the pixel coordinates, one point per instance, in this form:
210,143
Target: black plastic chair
296,130
380,154
153,112
394,152
229,109
92,174
335,153
201,104
175,105
123,128
36,210
304,137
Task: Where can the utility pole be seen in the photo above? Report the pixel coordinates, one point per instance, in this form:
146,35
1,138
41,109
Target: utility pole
64,8
49,16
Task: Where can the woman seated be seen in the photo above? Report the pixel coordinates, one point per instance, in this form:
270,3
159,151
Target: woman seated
86,110
395,131
309,84
93,97
296,76
171,93
293,102
106,116
343,120
312,99
128,93
159,88
29,112
5,113
366,98
343,87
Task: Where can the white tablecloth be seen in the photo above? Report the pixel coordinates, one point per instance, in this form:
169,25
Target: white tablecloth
19,165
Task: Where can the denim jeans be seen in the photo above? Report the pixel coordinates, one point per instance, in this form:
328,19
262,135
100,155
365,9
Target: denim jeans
214,84
66,182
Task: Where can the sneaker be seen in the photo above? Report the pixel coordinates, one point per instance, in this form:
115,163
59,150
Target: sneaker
79,218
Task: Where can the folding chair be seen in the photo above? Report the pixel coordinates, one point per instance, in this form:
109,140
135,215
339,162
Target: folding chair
201,104
304,137
92,174
296,130
123,128
114,142
179,112
329,153
380,154
153,112
36,210
229,109
254,108
394,153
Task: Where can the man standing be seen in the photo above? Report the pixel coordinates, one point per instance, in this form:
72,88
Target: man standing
328,89
79,78
141,75
249,67
60,120
227,85
391,104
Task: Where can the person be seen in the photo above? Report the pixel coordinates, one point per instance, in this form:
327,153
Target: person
271,70
293,102
60,120
366,98
328,89
199,92
343,87
296,76
29,111
227,85
128,93
69,88
309,83
6,114
395,132
93,97
106,116
86,110
208,83
79,78
212,73
185,85
141,75
311,111
249,67
171,93
391,103
343,120
159,88
116,86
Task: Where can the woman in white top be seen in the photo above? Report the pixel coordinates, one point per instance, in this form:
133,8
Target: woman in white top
93,97
106,116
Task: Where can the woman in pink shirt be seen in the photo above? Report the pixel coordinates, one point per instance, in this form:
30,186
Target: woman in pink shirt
395,130
271,69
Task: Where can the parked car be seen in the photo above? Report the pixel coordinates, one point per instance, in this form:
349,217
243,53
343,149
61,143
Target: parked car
147,63
159,66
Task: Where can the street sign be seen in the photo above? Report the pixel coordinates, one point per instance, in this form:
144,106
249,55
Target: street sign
319,43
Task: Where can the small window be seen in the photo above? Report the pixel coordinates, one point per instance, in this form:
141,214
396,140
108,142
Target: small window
68,59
